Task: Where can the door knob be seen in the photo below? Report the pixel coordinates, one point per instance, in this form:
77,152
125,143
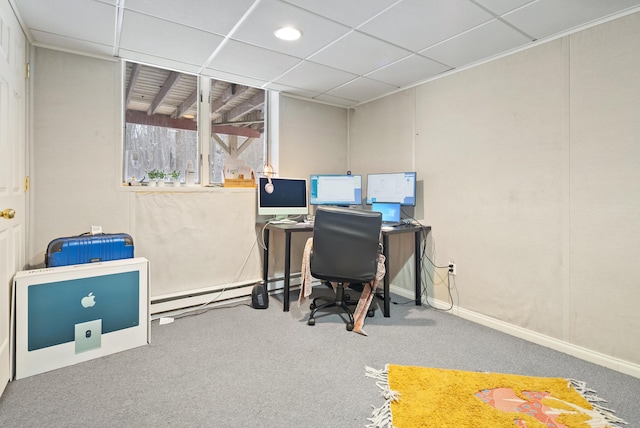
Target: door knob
8,213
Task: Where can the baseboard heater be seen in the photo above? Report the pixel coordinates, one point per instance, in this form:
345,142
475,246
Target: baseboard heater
217,294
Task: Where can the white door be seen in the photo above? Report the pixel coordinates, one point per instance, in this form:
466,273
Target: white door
12,171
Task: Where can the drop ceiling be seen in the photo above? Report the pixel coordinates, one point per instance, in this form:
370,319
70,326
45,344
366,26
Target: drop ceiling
350,52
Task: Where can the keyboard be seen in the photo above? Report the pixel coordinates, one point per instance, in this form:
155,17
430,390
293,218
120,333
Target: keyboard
301,224
391,224
285,221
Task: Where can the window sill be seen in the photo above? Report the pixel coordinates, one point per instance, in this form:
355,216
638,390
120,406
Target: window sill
185,189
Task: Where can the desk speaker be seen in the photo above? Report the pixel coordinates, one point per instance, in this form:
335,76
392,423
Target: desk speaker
260,296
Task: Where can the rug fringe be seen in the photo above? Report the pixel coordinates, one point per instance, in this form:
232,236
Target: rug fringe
607,415
381,416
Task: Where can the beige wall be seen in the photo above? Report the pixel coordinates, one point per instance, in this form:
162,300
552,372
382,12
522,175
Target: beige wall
529,169
312,138
605,188
73,171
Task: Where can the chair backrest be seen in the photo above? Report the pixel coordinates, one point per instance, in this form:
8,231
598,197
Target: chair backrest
345,244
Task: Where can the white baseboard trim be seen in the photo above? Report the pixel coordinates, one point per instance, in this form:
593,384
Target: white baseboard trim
582,353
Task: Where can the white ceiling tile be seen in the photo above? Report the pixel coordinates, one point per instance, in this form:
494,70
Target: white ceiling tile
417,24
351,13
80,45
390,42
408,70
92,21
502,6
545,18
166,39
485,41
168,63
315,77
291,90
337,101
247,60
267,17
359,53
233,78
218,16
362,89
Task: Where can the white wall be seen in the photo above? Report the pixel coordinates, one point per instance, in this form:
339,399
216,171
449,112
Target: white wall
529,167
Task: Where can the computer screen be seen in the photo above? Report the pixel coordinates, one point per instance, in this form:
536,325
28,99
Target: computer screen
390,211
398,187
335,189
289,197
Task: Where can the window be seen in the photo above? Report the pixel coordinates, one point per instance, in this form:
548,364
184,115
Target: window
162,109
161,125
237,127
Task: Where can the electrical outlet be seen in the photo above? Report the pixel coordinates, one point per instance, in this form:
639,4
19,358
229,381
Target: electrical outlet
452,267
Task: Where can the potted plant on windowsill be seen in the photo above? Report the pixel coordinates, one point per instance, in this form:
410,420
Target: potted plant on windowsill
156,177
151,175
175,178
161,177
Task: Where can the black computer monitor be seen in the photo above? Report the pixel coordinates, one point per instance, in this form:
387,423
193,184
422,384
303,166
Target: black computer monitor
289,197
335,189
396,187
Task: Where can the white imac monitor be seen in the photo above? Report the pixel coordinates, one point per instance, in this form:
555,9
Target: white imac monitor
287,198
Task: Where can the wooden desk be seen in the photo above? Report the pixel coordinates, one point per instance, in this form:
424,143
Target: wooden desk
289,229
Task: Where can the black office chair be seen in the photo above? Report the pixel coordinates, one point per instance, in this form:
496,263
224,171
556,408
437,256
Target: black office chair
345,250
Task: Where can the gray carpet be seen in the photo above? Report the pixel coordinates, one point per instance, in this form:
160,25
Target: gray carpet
242,367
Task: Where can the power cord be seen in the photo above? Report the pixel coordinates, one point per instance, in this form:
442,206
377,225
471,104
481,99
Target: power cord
423,257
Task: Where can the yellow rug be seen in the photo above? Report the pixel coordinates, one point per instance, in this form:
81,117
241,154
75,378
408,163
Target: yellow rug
429,397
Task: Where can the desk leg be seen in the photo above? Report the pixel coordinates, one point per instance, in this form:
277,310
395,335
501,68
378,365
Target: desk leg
287,270
265,257
386,310
418,258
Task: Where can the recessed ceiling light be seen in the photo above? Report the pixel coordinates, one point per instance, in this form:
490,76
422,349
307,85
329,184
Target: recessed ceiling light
288,33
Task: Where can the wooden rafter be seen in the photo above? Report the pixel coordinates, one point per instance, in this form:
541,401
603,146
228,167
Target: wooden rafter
186,104
233,149
252,104
159,97
164,91
133,79
234,130
141,118
188,124
230,93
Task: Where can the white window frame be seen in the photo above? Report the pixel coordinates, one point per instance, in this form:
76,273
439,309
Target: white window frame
204,128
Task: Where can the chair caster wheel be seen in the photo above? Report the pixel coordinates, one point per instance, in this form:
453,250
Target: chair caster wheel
371,313
311,321
347,297
312,306
349,326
